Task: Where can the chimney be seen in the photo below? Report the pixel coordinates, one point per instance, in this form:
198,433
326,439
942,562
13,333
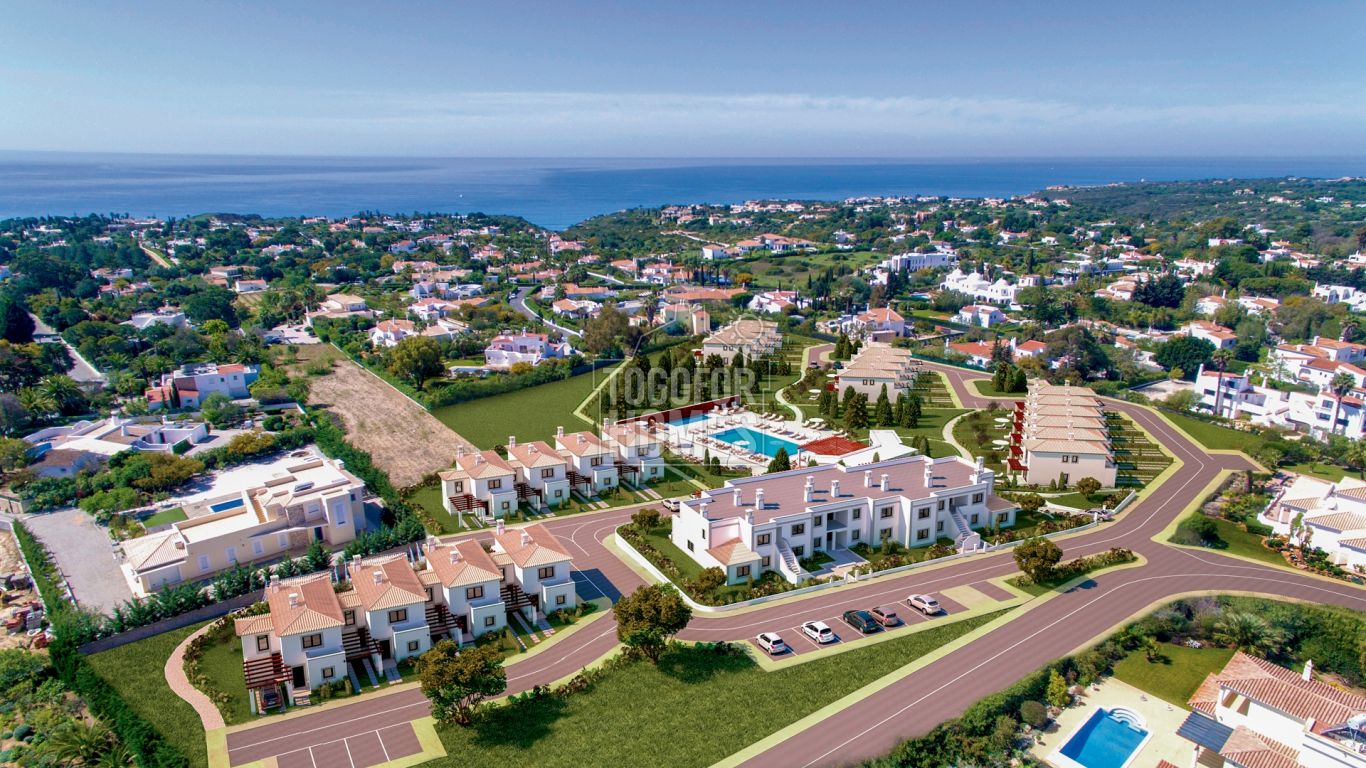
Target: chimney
293,599
460,451
559,431
883,485
929,473
512,442
981,464
749,516
834,489
702,509
759,499
526,538
379,576
867,478
275,582
455,554
500,528
1308,673
735,495
809,489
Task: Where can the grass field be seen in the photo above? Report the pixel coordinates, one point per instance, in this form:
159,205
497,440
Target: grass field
1176,675
1213,435
165,517
1250,545
1329,472
222,664
137,672
985,389
634,715
530,414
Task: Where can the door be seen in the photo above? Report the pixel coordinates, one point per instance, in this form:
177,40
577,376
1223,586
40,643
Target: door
299,677
384,649
318,533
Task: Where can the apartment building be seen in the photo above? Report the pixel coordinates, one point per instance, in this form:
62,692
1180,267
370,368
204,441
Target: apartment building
393,609
1240,398
1059,433
752,338
877,365
1256,714
755,525
188,386
301,501
1321,414
1327,516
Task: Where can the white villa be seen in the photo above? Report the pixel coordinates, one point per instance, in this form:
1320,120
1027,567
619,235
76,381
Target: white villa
752,338
768,523
1329,516
510,347
187,387
980,288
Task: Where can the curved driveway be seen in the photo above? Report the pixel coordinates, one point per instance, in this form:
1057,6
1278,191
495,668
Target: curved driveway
1041,631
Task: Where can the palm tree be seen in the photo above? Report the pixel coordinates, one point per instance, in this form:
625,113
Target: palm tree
65,392
1341,384
1249,633
38,403
1221,358
78,743
1356,458
118,756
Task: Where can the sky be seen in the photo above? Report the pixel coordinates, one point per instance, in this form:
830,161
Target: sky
741,78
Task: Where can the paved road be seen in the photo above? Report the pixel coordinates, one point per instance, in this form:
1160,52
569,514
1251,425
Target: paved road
519,304
82,372
1043,631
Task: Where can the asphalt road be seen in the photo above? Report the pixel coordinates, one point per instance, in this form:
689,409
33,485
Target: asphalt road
1042,630
519,304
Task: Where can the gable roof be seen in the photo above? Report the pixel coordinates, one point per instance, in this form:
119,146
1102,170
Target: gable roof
462,563
531,545
386,582
303,605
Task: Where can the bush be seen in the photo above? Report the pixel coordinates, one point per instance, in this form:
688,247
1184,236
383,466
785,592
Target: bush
1197,530
1034,713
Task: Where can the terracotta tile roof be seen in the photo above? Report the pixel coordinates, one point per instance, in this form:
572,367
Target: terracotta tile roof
535,454
462,564
1282,689
303,605
253,625
482,464
387,582
733,552
1338,521
581,444
1250,750
532,545
147,552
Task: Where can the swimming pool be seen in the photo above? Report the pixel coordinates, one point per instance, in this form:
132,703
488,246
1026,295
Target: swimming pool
759,442
692,419
1108,739
226,505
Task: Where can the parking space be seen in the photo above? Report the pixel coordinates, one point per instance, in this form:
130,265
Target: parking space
799,643
360,751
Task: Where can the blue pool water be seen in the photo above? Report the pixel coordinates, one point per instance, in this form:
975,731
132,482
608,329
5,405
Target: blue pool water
1104,741
223,505
693,419
756,441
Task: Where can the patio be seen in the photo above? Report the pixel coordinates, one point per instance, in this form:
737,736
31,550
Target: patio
1161,720
696,439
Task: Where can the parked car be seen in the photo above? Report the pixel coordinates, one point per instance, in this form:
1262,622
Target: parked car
863,621
886,616
819,631
770,642
925,604
671,505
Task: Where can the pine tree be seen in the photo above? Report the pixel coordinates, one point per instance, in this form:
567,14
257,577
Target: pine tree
856,414
780,462
882,411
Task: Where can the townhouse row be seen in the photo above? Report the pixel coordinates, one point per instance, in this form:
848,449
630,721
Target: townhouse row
1059,433
315,632
538,475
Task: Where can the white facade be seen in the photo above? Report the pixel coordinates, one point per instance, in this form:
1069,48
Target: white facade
980,288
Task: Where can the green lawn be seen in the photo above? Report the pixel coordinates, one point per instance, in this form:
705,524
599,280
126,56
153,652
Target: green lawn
137,672
165,517
222,664
530,414
985,388
1078,501
1176,675
428,497
1328,472
1213,435
1240,542
632,715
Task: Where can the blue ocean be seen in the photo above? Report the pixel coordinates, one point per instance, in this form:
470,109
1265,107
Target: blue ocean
553,193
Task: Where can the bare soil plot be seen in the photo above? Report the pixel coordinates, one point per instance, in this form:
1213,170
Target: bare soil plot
404,439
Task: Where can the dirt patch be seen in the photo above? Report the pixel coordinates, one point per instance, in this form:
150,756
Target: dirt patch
405,440
14,599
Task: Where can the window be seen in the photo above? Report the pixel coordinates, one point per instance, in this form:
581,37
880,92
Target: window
413,645
922,534
858,514
547,572
313,640
548,472
329,673
341,514
939,527
230,554
885,533
263,642
923,514
704,534
349,616
1074,459
561,600
763,538
798,529
972,520
459,486
766,561
495,483
941,505
490,620
559,494
799,551
398,615
976,498
257,548
474,593
283,540
1003,517
691,548
818,522
203,562
1067,459
854,536
742,571
596,461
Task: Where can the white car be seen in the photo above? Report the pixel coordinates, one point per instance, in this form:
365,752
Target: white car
819,631
771,642
925,604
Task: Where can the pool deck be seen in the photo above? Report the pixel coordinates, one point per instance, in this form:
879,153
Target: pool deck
696,438
1162,720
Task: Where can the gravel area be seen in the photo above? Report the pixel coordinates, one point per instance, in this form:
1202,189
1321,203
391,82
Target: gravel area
85,555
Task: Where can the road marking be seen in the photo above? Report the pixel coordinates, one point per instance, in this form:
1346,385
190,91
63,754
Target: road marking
346,743
305,732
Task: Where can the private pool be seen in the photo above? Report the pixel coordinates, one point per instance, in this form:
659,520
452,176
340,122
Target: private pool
692,419
1109,738
759,442
223,506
